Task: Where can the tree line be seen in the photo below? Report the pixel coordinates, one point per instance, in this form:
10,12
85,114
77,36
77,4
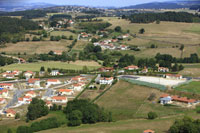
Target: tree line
166,16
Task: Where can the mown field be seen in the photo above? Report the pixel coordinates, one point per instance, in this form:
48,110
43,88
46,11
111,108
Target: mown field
78,65
192,87
36,47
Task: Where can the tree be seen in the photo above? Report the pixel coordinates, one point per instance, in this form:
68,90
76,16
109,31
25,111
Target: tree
153,46
54,108
71,37
157,21
42,69
141,31
37,108
17,116
75,118
181,49
24,129
152,115
9,131
118,29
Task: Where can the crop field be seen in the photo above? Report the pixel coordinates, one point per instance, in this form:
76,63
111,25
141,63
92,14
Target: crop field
192,87
52,64
35,47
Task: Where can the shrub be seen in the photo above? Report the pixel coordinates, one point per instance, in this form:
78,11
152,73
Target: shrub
152,115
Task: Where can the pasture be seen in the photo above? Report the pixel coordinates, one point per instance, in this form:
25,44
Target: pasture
192,87
78,65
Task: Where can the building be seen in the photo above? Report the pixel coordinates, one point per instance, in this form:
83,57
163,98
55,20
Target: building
31,94
4,93
49,104
54,73
78,79
148,131
166,100
104,80
123,47
173,76
2,100
132,67
65,92
53,82
78,86
8,75
57,52
106,69
34,82
28,74
59,99
7,86
163,69
10,113
25,100
145,70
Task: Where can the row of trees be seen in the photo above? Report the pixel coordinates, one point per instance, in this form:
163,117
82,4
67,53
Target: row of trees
166,16
45,124
6,61
92,27
83,111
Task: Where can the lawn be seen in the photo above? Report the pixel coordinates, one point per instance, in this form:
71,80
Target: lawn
36,47
192,87
78,65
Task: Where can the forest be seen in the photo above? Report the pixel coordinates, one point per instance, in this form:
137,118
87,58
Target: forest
166,16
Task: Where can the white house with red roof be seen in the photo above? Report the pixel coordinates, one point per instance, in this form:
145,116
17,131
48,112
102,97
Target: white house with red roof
53,82
163,69
79,86
10,113
31,94
104,80
4,93
8,75
7,86
28,74
132,67
54,73
78,79
2,100
34,82
25,100
123,47
173,76
59,99
65,92
57,52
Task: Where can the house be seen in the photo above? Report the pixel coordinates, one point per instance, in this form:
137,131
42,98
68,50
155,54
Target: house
7,86
2,100
8,75
21,60
49,104
78,79
145,70
148,131
34,82
4,93
25,100
65,92
28,74
78,86
10,113
123,47
125,36
106,69
173,76
16,72
104,80
184,100
59,99
70,22
54,73
163,69
132,67
166,100
53,82
31,94
57,52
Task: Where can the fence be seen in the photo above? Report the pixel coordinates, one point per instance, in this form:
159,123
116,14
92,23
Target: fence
152,85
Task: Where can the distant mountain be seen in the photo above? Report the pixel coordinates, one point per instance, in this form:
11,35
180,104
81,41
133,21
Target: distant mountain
165,5
25,6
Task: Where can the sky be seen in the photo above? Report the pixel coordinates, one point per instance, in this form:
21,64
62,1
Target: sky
117,3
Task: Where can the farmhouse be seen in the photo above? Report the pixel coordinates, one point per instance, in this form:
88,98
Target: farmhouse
104,80
31,94
7,86
132,67
2,100
34,82
10,113
53,82
59,99
106,69
173,76
163,69
4,93
65,92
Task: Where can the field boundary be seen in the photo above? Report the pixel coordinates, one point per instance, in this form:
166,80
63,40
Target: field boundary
184,83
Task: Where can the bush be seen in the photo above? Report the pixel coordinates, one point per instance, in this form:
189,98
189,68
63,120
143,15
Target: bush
17,116
75,118
24,129
152,115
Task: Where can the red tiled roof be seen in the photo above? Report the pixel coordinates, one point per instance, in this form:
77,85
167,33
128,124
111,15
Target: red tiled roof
29,72
52,80
103,78
5,84
132,66
31,92
10,111
59,98
183,99
65,90
164,95
174,75
149,131
33,80
4,90
2,99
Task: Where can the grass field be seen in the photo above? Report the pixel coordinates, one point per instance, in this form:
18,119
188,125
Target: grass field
35,47
78,65
192,87
66,33
192,70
